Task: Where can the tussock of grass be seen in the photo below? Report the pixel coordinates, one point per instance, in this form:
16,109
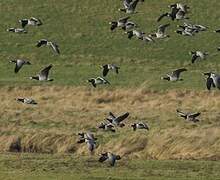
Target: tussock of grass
52,125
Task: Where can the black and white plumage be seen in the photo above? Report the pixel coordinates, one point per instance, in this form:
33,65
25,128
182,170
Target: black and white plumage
174,75
19,63
43,75
98,81
213,80
198,55
134,32
129,6
140,125
106,126
53,45
89,139
188,116
32,22
108,67
178,12
110,157
26,101
120,23
17,30
160,34
117,121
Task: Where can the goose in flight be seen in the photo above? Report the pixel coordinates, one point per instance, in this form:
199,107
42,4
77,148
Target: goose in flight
110,157
213,80
89,139
98,81
198,55
44,42
188,116
108,67
26,101
160,32
134,32
32,22
129,6
117,121
17,30
43,75
140,125
120,23
19,63
175,75
106,127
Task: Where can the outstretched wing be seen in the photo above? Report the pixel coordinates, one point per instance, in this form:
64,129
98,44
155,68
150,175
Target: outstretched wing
178,71
162,28
194,115
124,19
122,117
44,73
162,16
55,47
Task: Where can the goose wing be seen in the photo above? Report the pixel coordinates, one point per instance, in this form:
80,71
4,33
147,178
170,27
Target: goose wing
124,19
41,42
178,71
181,113
133,4
105,70
127,3
162,16
103,158
194,57
162,28
45,72
194,115
55,47
18,65
209,83
122,117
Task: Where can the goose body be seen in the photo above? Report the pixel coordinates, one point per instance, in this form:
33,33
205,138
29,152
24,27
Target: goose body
43,75
188,116
52,45
106,127
213,80
108,67
19,63
32,22
17,30
174,75
110,157
139,125
198,55
117,120
161,32
26,101
98,81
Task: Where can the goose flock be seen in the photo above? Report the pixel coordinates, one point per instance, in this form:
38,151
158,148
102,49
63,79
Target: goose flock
177,12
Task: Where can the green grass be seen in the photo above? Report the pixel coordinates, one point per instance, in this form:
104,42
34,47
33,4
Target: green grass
45,167
82,31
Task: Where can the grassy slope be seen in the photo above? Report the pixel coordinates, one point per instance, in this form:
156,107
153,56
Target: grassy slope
82,31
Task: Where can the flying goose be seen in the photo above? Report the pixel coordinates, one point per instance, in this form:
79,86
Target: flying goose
108,67
19,63
189,116
129,6
117,121
140,125
198,54
160,32
32,21
17,30
97,81
134,32
89,139
106,127
110,157
44,42
175,75
26,101
43,75
120,23
213,80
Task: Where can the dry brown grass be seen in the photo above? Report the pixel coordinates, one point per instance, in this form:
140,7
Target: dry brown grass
62,112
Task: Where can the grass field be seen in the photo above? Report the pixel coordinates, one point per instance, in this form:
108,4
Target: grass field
47,133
